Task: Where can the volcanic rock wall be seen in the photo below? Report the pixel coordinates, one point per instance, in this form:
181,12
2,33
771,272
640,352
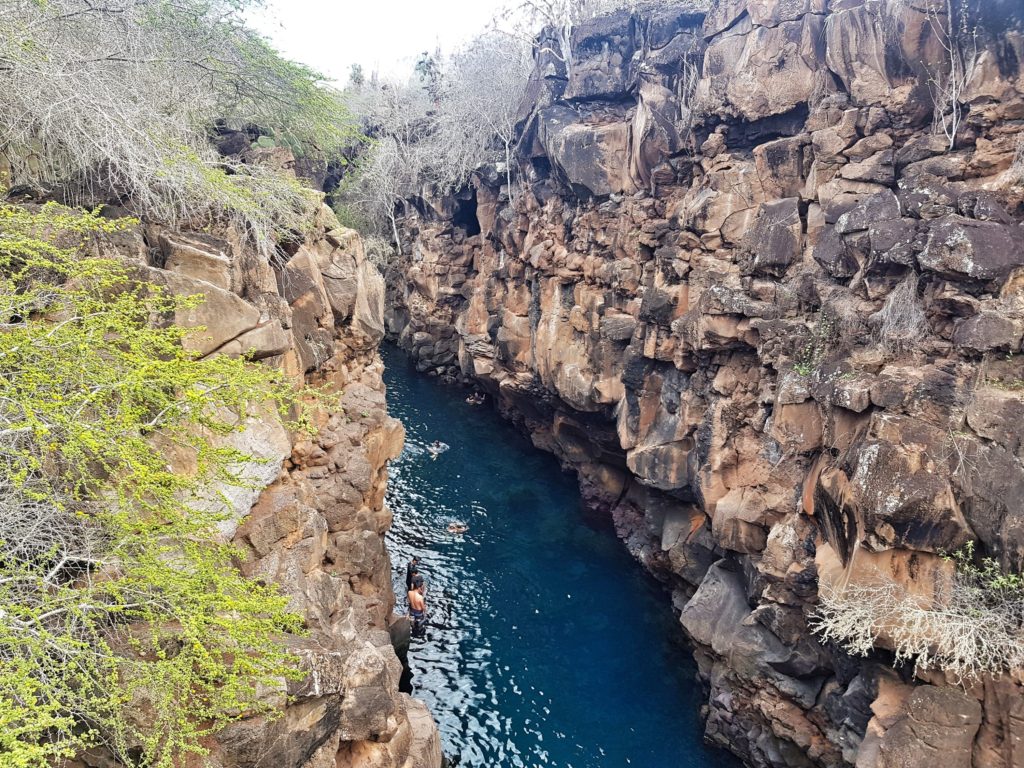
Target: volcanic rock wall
313,520
772,315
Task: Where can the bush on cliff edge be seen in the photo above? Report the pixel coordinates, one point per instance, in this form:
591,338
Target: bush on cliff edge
973,626
123,622
121,100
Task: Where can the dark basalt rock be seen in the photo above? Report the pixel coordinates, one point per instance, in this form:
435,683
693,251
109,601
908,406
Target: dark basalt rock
776,239
977,251
714,260
835,256
987,332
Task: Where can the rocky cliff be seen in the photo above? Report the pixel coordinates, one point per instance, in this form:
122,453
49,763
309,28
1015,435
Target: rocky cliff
312,517
762,287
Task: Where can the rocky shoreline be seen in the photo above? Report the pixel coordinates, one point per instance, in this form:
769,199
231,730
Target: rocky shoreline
772,319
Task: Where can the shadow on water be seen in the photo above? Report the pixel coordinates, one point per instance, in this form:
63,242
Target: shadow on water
546,644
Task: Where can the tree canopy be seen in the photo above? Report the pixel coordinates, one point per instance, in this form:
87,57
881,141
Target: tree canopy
454,115
119,100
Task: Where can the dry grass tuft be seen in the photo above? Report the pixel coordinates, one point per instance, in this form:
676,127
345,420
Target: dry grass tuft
974,627
901,324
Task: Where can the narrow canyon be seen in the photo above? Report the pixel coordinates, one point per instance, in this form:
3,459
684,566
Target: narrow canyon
742,279
771,315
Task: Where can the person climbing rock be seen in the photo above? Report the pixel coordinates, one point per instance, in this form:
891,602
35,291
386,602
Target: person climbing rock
418,606
410,571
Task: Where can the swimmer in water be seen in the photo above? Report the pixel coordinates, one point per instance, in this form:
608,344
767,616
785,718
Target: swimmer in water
457,527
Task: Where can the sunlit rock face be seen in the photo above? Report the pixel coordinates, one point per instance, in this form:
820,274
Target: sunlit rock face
311,516
751,292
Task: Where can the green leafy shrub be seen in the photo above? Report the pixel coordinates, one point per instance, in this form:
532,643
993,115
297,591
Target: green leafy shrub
124,623
353,218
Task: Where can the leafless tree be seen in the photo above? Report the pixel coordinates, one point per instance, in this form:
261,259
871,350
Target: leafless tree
397,120
385,180
958,36
118,99
486,84
433,133
392,108
952,25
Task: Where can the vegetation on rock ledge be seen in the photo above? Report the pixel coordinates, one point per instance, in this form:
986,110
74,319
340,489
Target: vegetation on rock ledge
974,626
119,101
123,621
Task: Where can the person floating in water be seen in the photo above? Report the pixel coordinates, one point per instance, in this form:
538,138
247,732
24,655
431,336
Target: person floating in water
477,398
436,448
418,606
456,527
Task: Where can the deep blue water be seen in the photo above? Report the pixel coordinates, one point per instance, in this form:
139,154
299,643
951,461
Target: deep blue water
547,645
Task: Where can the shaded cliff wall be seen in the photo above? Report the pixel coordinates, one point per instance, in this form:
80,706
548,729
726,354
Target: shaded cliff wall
773,320
313,520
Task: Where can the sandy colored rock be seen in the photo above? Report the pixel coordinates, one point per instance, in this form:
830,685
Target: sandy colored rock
218,318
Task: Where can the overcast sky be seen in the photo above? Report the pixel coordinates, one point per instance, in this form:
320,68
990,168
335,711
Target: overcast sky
386,35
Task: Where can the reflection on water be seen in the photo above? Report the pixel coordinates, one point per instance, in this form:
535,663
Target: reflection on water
546,645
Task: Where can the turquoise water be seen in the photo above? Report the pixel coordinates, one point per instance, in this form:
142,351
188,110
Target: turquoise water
546,645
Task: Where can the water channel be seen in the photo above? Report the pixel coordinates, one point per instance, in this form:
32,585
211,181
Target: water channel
546,645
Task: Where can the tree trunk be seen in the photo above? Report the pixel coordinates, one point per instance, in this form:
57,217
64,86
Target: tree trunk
394,231
508,169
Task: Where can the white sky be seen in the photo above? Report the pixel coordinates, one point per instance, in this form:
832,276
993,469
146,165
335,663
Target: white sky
386,35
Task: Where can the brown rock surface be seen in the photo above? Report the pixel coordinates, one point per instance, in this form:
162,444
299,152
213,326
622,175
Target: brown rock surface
938,728
311,516
775,327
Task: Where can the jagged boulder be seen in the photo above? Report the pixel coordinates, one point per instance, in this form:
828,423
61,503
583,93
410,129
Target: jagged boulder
980,251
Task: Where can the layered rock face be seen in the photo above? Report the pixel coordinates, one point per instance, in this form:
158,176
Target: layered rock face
772,314
312,517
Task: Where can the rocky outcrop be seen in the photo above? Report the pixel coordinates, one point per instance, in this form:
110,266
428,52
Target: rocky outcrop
773,318
311,516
